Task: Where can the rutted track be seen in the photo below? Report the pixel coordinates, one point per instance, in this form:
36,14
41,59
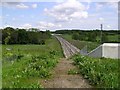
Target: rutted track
68,49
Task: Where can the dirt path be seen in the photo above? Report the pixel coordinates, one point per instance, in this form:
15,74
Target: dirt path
61,79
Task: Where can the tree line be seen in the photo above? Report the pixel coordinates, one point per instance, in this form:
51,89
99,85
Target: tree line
93,35
23,36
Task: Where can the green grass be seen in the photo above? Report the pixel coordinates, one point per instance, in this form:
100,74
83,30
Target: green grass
101,72
113,38
25,65
81,44
0,66
51,44
73,72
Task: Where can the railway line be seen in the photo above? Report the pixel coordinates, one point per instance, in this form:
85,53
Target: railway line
68,48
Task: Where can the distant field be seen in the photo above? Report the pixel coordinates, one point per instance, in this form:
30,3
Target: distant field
51,44
113,38
81,44
25,65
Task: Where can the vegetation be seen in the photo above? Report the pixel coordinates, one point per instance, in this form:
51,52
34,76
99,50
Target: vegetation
89,39
73,71
30,55
92,35
22,36
25,65
0,66
81,44
101,72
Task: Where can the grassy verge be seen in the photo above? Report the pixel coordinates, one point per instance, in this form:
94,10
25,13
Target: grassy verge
101,73
25,65
113,38
81,44
0,66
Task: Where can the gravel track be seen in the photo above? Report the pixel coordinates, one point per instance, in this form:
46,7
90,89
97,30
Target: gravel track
68,48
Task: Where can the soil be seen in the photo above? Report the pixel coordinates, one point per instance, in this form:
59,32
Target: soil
61,78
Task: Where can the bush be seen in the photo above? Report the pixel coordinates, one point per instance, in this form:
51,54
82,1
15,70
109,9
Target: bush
22,36
100,72
32,66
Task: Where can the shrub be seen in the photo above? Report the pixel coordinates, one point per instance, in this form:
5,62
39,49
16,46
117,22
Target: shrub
101,72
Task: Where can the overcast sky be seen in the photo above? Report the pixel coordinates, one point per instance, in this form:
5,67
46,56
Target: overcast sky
69,14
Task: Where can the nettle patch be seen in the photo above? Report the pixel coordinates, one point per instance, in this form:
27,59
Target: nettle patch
101,72
22,67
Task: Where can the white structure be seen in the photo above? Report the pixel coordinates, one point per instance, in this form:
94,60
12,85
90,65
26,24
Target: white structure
107,50
111,50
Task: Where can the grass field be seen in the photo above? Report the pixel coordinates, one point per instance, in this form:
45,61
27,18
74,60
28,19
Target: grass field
25,65
100,72
81,44
113,38
0,66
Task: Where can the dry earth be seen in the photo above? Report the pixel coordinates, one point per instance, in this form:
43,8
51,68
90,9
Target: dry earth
61,79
